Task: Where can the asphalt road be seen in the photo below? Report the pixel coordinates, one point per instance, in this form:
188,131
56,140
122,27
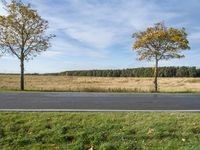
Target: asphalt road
34,101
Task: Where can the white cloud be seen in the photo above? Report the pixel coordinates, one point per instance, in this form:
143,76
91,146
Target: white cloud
195,36
90,30
7,57
2,9
65,48
101,25
51,53
90,35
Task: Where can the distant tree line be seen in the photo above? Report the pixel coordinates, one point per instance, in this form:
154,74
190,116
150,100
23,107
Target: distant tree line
138,72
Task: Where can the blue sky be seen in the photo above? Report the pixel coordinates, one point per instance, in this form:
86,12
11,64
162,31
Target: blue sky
96,34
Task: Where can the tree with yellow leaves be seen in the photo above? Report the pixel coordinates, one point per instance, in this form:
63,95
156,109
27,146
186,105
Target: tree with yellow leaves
160,43
22,33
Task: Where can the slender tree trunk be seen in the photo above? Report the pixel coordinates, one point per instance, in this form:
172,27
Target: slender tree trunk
156,76
22,74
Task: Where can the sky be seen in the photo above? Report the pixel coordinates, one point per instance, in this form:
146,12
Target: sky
97,34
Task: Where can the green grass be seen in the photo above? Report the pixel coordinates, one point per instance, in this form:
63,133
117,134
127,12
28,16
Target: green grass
103,131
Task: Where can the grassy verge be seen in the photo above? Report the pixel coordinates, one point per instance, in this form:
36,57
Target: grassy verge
104,131
98,92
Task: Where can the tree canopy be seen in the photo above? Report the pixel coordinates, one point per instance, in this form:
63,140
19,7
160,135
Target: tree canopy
23,33
160,42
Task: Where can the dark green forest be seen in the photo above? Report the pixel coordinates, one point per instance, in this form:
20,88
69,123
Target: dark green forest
138,72
131,72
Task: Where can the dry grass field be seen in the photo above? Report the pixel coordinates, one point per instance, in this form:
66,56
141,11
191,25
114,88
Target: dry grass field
99,84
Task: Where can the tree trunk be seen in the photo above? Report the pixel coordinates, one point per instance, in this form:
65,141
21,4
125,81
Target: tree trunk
22,74
156,76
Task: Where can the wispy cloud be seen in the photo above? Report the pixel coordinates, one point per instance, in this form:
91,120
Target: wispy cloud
2,9
51,53
65,48
101,24
195,36
100,31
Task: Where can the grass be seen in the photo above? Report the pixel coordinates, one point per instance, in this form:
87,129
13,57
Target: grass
102,131
99,84
99,131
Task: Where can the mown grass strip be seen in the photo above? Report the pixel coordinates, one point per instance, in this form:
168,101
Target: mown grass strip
104,131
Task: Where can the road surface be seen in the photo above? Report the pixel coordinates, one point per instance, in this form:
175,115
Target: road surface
38,101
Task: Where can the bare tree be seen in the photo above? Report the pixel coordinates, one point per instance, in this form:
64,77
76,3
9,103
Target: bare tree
23,33
160,43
